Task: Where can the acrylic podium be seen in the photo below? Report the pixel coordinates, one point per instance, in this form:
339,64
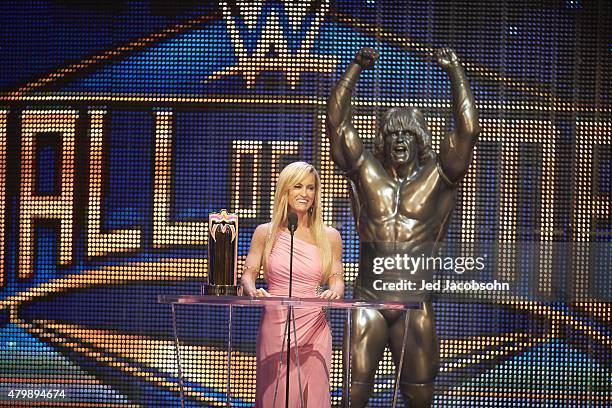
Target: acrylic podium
290,302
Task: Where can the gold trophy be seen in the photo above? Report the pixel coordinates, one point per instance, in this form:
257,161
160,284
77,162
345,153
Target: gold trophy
222,254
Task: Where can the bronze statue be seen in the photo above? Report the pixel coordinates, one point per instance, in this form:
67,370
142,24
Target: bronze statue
403,195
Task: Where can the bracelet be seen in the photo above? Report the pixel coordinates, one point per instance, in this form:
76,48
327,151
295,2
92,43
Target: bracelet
249,267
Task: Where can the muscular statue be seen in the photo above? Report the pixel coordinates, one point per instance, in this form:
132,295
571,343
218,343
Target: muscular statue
403,195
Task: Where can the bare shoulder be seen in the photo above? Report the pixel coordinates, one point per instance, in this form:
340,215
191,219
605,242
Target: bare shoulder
263,227
333,235
261,232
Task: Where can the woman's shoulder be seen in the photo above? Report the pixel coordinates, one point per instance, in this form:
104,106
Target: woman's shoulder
263,227
262,230
332,233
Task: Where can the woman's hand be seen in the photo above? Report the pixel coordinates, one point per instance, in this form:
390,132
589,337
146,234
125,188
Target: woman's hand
261,292
330,294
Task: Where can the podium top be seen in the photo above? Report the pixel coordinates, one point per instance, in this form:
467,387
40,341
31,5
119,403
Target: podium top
285,301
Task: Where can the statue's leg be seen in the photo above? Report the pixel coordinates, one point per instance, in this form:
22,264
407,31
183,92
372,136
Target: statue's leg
421,355
370,334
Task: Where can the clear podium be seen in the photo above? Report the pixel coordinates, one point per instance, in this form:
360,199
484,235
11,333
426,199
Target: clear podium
290,302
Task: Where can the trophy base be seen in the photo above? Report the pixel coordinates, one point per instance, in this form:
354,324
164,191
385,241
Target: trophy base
220,290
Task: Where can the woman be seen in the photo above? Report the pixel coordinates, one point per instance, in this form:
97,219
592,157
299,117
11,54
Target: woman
317,259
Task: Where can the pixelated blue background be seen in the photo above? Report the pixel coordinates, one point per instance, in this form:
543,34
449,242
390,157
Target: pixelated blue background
547,61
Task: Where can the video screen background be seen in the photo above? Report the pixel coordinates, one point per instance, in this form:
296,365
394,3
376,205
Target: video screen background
122,126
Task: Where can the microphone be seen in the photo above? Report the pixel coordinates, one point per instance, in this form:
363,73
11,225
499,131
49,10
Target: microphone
292,220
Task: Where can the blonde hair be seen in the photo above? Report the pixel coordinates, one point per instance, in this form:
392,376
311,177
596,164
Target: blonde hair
290,176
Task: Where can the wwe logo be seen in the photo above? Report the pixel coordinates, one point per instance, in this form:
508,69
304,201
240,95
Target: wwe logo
276,47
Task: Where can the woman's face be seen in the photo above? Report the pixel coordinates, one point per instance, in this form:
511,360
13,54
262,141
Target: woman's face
301,195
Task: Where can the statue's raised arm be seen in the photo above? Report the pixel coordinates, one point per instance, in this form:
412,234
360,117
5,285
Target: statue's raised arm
456,149
346,147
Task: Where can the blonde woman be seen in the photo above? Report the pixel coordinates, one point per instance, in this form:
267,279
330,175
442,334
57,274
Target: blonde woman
317,260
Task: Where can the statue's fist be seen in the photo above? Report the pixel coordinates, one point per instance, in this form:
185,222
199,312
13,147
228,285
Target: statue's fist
446,57
366,57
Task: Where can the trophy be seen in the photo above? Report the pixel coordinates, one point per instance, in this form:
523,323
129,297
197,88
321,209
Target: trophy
222,254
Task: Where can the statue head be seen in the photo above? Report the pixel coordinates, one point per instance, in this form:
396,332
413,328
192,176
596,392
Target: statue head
403,138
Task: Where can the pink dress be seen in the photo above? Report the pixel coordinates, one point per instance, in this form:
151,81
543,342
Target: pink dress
313,333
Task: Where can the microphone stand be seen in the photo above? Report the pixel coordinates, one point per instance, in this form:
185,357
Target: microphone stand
292,225
292,229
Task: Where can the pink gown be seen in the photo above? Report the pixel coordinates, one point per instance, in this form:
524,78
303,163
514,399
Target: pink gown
313,332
